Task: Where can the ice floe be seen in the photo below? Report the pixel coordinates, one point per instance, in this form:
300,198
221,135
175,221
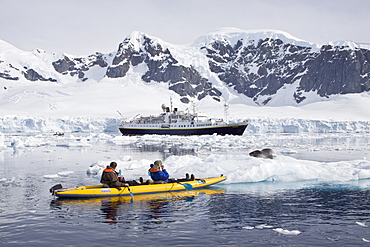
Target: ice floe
287,232
361,224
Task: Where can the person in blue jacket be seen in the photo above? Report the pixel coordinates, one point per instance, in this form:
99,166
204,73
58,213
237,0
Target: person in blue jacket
157,172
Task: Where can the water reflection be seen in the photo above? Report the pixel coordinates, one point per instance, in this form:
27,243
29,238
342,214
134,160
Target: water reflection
109,209
166,149
115,210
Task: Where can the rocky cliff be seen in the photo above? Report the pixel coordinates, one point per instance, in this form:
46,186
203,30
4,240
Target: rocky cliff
259,65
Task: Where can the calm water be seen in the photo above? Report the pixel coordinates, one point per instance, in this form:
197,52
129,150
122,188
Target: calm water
223,215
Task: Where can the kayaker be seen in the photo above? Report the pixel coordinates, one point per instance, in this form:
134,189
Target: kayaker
157,172
110,178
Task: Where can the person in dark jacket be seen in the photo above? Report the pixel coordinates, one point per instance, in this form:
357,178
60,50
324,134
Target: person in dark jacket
158,173
110,178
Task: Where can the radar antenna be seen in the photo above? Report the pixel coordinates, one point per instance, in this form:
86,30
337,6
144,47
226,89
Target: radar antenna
164,107
120,113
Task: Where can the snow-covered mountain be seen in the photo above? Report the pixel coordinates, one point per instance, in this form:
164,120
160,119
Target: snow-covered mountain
281,83
269,67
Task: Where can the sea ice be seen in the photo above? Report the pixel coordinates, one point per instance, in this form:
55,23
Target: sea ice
263,226
50,176
287,232
361,224
65,173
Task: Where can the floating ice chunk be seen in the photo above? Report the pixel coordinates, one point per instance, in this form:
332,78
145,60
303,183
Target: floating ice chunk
126,158
2,138
65,173
2,145
361,224
82,143
287,232
94,169
125,163
263,226
2,180
288,151
7,182
18,144
51,176
332,238
248,227
76,143
281,169
365,240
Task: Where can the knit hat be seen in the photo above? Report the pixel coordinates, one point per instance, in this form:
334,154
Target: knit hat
157,164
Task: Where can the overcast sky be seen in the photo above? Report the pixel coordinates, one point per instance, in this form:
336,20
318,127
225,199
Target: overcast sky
82,27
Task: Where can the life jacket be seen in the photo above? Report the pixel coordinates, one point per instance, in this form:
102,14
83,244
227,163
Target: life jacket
110,170
157,174
154,170
151,169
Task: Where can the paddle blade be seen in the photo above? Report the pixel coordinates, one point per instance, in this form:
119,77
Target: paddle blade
131,194
187,186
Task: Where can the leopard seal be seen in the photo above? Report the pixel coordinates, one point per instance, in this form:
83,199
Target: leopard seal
266,153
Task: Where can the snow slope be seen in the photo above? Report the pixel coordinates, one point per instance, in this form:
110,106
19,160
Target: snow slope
91,106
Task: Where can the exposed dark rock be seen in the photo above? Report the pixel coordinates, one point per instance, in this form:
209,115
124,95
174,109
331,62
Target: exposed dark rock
32,75
76,66
8,77
118,71
338,71
63,65
162,67
264,69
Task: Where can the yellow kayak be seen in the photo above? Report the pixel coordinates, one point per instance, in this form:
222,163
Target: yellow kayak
93,191
162,197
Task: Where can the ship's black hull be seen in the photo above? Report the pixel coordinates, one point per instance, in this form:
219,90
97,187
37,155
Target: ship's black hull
222,130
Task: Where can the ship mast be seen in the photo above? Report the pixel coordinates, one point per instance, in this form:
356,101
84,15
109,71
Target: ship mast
226,112
171,104
193,105
194,110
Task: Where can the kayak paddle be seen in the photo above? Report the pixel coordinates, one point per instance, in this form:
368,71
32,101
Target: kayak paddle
187,186
131,194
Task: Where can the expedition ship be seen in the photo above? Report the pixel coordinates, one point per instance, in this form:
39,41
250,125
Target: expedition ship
174,122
